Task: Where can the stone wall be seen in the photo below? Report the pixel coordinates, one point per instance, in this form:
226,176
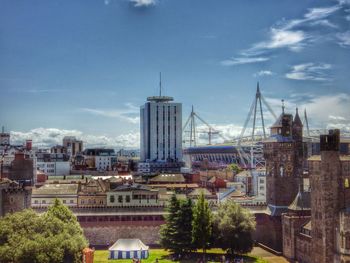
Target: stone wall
268,231
107,235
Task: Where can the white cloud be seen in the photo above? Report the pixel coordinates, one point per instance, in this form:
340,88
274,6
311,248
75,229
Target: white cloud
309,71
324,22
243,60
344,39
143,3
325,112
262,73
130,114
47,137
280,38
321,12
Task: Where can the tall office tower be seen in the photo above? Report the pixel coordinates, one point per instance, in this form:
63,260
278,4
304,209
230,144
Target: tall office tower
161,130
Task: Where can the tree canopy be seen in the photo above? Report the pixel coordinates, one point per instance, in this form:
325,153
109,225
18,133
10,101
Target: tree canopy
233,226
201,223
176,233
52,237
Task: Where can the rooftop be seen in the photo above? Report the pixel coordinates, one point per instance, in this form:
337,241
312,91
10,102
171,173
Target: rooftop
56,189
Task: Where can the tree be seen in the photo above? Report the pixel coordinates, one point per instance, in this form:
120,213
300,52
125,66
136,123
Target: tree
233,226
176,233
169,232
52,237
201,223
234,168
185,217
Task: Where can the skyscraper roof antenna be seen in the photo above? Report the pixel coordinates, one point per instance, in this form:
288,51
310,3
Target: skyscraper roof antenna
160,84
283,106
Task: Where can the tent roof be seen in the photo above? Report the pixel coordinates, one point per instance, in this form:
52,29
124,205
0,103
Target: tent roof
128,245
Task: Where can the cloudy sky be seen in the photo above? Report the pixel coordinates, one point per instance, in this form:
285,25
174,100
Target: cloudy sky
84,67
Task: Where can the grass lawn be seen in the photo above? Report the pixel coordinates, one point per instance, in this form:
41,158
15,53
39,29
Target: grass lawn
101,256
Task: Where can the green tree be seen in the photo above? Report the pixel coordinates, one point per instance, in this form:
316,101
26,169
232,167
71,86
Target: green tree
234,168
176,233
201,223
52,237
185,218
169,232
233,226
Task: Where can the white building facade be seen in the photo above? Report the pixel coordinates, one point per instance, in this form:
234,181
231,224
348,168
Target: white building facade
161,130
53,163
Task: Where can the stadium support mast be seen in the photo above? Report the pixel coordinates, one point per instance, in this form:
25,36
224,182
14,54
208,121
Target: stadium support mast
256,109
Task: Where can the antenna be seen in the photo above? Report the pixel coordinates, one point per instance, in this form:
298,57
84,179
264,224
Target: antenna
283,106
160,84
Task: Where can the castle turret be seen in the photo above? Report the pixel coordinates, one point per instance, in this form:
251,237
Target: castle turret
282,163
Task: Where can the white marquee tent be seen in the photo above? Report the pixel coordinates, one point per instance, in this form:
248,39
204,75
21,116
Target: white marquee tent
128,248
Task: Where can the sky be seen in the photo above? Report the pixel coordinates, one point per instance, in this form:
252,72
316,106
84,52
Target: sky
84,67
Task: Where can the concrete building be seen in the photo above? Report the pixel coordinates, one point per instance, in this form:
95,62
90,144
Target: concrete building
161,130
259,184
100,159
53,163
72,145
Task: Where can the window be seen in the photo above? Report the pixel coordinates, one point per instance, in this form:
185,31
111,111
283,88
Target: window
64,201
127,198
36,201
120,199
44,201
112,199
71,201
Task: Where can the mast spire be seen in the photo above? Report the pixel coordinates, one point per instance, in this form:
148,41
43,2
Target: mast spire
160,84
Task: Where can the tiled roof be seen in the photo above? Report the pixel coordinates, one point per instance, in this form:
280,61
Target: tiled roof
56,189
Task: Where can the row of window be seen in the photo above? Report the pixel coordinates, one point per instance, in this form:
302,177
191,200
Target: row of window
119,218
44,202
134,197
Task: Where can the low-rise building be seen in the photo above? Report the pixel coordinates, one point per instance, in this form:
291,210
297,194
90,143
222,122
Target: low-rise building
93,193
135,195
45,195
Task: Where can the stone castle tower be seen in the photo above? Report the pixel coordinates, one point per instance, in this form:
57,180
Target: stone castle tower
330,202
283,153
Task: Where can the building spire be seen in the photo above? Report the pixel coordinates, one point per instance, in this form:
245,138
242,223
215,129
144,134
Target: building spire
283,106
160,84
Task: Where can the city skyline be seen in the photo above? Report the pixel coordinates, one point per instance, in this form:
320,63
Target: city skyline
87,74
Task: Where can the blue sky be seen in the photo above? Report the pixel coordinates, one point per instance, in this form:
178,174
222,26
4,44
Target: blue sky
84,67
